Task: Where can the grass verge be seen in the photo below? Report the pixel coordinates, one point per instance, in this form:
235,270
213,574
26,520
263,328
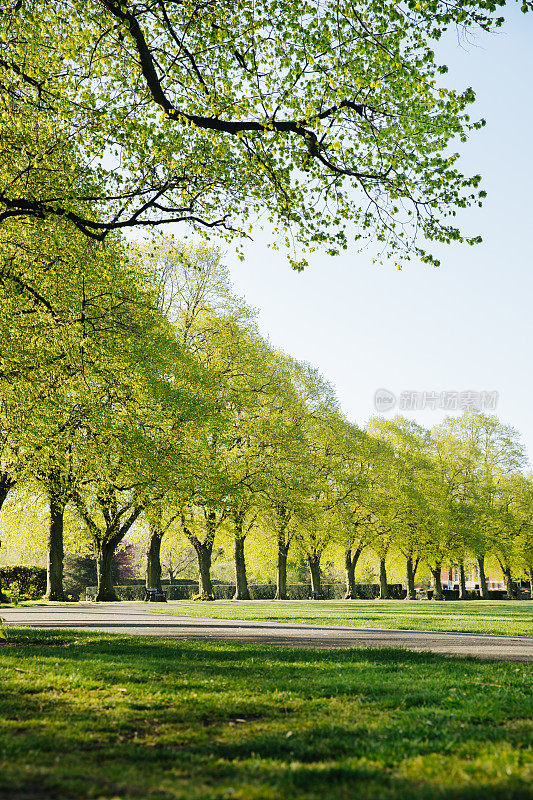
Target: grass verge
117,717
499,617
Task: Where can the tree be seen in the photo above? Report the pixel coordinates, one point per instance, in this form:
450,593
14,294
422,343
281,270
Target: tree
200,524
485,453
159,523
177,559
242,522
10,439
249,387
108,521
526,539
72,316
218,330
513,516
280,517
133,430
314,534
357,506
285,480
382,544
317,491
315,517
351,456
450,463
326,118
267,452
285,489
189,282
398,496
127,456
56,481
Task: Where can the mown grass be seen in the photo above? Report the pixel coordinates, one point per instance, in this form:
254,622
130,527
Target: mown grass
118,717
503,617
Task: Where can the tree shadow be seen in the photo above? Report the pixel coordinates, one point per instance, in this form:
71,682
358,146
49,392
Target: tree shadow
265,721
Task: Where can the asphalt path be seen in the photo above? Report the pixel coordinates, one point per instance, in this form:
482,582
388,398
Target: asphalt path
135,619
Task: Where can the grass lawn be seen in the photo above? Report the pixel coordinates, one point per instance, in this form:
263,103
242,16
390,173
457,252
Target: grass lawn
505,617
117,717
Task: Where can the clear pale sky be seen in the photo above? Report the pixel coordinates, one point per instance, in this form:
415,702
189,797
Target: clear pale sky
466,325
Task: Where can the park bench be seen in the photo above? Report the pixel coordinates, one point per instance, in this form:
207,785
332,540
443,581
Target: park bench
154,595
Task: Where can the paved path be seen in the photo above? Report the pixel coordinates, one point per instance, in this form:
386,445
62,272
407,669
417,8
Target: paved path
133,618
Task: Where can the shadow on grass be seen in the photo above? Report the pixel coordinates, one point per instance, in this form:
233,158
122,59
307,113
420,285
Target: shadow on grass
87,715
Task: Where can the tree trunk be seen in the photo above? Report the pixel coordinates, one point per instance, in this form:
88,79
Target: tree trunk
463,595
437,585
153,559
104,562
5,485
508,578
55,553
383,585
203,553
314,571
530,574
410,572
483,588
281,574
241,582
350,563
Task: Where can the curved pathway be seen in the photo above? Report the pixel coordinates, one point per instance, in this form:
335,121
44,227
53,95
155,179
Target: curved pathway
134,619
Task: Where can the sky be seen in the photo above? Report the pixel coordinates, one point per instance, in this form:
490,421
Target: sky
465,326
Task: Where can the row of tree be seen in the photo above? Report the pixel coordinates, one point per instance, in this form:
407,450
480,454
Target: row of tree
144,390
131,381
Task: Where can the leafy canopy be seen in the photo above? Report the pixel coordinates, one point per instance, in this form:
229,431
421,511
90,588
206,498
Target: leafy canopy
323,117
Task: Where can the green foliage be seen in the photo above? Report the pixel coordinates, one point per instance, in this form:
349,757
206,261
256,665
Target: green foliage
158,400
333,123
479,460
80,571
23,582
132,380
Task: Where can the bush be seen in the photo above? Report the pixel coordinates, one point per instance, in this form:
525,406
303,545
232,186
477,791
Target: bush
28,583
80,571
188,590
262,591
450,594
397,592
137,592
366,591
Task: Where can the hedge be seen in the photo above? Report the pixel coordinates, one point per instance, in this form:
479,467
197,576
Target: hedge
29,582
263,591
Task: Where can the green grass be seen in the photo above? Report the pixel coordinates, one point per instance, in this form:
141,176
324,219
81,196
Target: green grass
504,617
116,717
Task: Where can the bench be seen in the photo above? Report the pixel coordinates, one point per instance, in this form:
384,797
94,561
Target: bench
154,595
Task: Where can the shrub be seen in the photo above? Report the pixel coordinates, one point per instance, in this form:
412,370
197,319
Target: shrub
23,582
80,571
396,591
